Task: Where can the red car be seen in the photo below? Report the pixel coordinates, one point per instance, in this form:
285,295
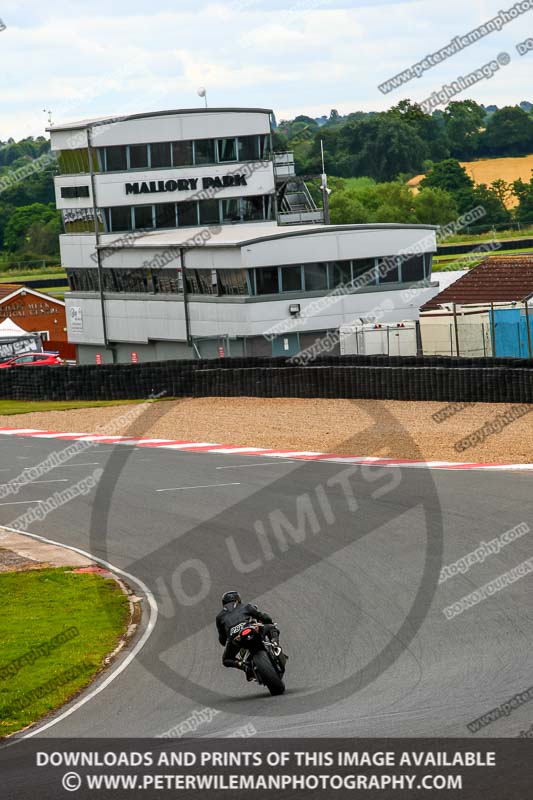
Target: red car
33,360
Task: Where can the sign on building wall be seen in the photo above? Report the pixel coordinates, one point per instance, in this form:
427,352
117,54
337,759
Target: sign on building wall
185,184
36,309
76,318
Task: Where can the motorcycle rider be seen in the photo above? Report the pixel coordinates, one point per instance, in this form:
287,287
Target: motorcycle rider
233,612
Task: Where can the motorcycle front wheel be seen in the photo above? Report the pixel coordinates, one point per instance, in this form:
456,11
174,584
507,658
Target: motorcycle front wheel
267,673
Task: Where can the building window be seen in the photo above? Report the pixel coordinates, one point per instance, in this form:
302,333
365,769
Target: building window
268,200
167,281
120,218
201,281
316,277
187,214
266,280
388,269
253,208
83,280
138,156
74,162
182,155
413,269
160,155
231,210
248,148
74,191
264,146
209,212
340,273
143,217
135,281
233,281
204,151
227,150
363,270
115,159
165,215
291,279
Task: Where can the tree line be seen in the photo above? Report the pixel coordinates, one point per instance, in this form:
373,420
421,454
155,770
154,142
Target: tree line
381,149
404,139
29,222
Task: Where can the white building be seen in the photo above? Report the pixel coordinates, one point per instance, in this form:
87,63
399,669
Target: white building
150,198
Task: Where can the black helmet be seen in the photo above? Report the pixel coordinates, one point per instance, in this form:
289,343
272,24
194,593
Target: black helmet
231,597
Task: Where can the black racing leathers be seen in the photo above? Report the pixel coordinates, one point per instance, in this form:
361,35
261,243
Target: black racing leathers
232,615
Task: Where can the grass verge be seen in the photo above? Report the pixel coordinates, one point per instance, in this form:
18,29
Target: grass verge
464,261
27,406
39,605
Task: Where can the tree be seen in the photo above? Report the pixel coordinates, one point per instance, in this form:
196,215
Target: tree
503,190
346,209
495,211
463,121
429,128
433,206
392,202
448,175
381,147
509,132
524,193
43,237
17,234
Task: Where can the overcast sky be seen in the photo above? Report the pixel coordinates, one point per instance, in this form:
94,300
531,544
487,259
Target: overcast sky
84,59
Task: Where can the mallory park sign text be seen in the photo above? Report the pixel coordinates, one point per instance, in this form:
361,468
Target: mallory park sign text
185,184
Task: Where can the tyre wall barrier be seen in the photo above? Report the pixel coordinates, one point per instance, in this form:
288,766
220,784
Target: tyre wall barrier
365,377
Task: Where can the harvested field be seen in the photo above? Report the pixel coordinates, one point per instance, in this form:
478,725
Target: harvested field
352,427
508,169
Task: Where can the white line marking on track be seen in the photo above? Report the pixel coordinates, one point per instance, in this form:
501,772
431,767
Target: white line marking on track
21,502
80,464
131,655
56,480
206,486
261,464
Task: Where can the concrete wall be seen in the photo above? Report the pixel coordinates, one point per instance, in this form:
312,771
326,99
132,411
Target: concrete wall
166,128
336,244
110,187
139,318
155,351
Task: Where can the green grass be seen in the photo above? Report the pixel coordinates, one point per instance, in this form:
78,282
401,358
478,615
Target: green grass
464,261
524,233
458,263
358,183
21,277
25,407
38,605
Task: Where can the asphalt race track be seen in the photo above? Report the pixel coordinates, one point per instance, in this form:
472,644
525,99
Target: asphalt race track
353,584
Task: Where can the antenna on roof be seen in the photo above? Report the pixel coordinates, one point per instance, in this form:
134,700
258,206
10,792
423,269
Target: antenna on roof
324,186
49,112
202,92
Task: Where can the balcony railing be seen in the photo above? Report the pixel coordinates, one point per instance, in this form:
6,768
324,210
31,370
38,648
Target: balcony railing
301,217
283,165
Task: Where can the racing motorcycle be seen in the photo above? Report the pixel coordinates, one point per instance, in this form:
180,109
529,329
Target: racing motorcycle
264,659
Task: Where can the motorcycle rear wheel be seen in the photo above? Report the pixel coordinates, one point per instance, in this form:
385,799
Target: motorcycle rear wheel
267,673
